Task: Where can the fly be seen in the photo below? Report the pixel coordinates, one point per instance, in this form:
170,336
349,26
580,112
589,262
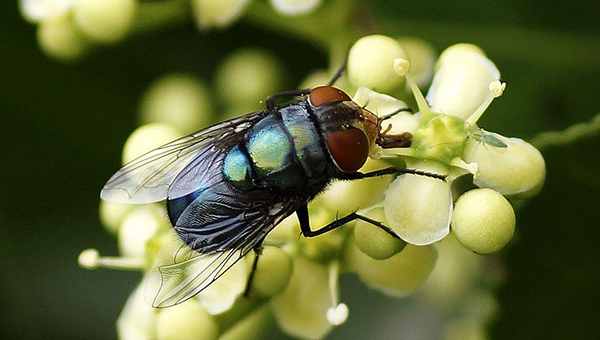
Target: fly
226,187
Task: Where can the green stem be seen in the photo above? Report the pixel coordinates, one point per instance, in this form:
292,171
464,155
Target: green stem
569,135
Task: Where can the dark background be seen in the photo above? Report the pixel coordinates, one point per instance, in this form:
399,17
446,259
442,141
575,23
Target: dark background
62,127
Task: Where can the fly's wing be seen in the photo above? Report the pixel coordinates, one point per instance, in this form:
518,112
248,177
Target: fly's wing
149,177
184,268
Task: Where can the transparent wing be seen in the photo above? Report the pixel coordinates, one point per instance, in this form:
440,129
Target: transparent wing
180,272
149,177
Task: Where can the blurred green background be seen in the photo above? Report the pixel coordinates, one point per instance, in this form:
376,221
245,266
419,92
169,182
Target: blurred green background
63,125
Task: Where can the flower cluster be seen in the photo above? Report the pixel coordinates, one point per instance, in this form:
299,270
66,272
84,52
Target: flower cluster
69,29
296,280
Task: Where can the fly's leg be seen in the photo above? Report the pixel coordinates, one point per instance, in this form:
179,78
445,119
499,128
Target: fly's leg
391,171
336,76
294,93
257,253
307,232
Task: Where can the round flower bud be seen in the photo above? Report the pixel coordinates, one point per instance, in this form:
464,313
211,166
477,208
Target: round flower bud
345,197
418,208
40,10
187,321
518,169
371,63
105,20
326,247
273,272
146,138
457,50
138,318
249,76
422,59
179,100
381,105
112,215
374,241
137,228
59,38
398,275
255,326
222,294
483,221
301,309
461,84
217,13
294,7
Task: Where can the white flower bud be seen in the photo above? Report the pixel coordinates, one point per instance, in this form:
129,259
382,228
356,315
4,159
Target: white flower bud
138,319
40,10
483,221
422,59
254,326
398,275
179,100
374,241
137,228
344,197
222,294
294,7
457,50
517,169
146,138
112,215
461,85
105,20
371,63
217,13
418,208
249,76
301,309
272,274
187,321
59,38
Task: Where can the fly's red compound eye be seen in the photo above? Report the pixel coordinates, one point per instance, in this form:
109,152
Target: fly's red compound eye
327,94
349,148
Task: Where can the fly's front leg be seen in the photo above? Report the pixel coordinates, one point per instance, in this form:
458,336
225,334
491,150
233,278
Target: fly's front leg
294,93
392,171
302,214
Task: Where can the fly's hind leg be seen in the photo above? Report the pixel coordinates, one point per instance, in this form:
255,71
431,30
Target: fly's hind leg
257,253
308,232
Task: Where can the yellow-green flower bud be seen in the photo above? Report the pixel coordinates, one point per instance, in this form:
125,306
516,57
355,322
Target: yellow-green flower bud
371,63
112,215
517,169
422,59
105,20
461,85
249,76
287,230
137,228
294,7
301,309
255,326
146,138
59,38
483,221
222,294
345,197
179,100
187,321
217,13
418,208
273,272
325,247
439,137
374,241
40,10
398,275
